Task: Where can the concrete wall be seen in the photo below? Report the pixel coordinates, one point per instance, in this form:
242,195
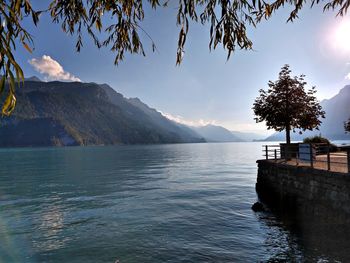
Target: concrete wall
304,191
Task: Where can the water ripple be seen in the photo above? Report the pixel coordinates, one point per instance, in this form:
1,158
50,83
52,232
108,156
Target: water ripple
156,203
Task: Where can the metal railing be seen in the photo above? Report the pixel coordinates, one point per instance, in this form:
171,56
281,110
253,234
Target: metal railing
319,156
272,152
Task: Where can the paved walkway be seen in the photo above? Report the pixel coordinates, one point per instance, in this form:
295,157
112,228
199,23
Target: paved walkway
338,162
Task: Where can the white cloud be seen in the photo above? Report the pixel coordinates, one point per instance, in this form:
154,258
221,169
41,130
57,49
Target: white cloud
51,69
347,76
182,120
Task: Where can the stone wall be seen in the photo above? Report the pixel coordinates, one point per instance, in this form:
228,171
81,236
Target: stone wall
319,194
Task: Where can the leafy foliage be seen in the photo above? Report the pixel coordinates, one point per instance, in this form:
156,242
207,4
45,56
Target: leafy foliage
316,139
321,140
286,105
123,32
11,31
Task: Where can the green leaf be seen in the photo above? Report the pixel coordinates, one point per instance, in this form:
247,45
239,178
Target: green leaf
27,47
9,104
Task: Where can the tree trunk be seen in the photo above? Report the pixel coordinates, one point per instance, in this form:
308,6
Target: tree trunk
287,148
288,134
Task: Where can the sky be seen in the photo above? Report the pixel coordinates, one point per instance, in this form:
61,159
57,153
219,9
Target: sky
205,88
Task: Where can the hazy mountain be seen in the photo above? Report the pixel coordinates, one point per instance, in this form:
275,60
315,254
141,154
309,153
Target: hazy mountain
74,113
166,124
213,133
33,78
337,111
248,136
134,105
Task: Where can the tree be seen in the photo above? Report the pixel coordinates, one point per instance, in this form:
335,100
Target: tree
227,26
287,106
347,126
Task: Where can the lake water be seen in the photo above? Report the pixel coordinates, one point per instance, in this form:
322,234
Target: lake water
156,203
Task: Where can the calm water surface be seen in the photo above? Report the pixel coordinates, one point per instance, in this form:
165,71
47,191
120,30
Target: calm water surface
157,203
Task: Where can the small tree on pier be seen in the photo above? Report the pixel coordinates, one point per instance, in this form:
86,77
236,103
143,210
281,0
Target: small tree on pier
287,106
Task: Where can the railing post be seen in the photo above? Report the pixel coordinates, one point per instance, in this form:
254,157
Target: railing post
348,159
328,158
311,157
275,154
297,158
266,152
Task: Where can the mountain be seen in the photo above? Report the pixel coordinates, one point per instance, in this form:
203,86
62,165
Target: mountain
75,113
337,111
134,105
248,136
164,122
213,133
33,78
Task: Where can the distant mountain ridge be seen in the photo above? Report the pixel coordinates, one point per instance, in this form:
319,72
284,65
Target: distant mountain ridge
33,78
337,111
214,133
156,118
75,113
248,136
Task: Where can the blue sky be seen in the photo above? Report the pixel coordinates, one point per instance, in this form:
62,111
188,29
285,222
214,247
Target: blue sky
206,88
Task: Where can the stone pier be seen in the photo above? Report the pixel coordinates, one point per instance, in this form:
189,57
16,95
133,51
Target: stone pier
308,193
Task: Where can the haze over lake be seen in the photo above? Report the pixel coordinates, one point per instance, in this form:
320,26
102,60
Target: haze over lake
155,203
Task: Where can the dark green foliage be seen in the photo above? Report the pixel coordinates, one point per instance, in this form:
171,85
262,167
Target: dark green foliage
316,139
322,149
35,132
287,106
57,113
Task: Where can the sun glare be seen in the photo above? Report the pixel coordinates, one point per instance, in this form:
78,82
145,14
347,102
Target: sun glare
342,36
